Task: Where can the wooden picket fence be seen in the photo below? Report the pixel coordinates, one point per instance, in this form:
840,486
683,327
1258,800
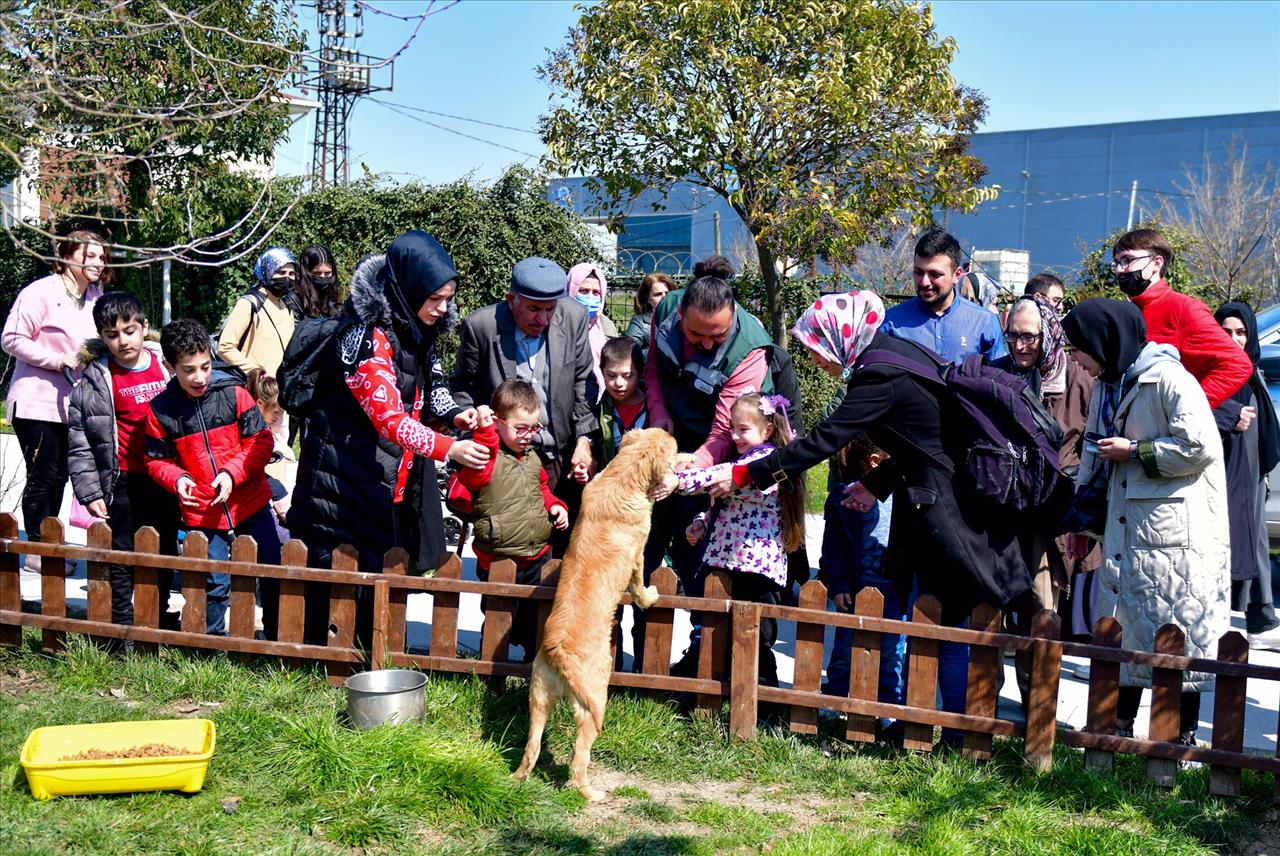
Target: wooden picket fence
729,653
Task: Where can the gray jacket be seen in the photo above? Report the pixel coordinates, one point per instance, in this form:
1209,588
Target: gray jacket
93,458
487,357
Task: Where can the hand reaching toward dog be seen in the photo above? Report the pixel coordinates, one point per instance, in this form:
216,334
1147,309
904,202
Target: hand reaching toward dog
695,531
664,488
559,517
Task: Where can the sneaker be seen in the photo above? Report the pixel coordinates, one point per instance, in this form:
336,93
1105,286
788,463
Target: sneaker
31,564
1267,641
1124,728
1187,738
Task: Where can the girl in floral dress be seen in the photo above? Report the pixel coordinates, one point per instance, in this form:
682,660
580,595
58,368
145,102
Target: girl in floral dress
751,530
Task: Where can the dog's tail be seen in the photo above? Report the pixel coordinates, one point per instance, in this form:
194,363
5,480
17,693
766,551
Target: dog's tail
570,668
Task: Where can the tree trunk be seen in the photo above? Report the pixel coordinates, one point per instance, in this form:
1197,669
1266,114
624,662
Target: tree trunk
777,321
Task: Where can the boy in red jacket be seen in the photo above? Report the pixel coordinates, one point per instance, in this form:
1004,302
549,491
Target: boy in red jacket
1141,259
207,443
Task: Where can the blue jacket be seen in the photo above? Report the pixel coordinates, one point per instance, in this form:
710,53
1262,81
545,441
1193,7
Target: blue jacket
963,330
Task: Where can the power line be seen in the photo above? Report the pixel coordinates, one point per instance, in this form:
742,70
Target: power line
449,130
452,116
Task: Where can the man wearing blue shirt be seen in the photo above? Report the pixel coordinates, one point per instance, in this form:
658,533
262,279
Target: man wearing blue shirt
939,318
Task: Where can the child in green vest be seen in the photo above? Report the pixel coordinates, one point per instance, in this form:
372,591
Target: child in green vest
513,507
622,408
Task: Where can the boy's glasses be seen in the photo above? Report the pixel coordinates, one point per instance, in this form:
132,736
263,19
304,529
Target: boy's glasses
520,431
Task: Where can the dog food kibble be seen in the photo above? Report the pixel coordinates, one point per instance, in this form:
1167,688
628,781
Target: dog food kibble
150,750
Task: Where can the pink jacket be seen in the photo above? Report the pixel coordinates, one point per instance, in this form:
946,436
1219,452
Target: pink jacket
44,325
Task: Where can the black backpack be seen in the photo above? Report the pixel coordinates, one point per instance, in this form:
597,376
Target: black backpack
304,359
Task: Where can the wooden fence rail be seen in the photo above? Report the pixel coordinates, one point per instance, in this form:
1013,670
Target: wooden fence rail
727,664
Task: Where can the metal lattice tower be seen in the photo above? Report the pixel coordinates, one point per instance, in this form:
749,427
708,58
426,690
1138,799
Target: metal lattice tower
342,76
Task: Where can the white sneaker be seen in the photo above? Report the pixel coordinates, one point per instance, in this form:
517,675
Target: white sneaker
31,564
1268,641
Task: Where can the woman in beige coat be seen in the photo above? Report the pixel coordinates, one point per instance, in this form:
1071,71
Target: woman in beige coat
1166,550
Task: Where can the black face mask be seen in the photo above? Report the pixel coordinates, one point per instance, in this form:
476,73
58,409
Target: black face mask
279,287
324,283
1132,282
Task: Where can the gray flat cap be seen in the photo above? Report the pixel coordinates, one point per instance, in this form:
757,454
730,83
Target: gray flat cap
539,279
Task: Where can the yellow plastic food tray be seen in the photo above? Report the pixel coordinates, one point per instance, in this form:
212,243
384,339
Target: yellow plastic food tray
49,776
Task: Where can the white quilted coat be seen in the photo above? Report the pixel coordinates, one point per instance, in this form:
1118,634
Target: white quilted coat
1166,550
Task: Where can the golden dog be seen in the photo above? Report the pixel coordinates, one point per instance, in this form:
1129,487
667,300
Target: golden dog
606,554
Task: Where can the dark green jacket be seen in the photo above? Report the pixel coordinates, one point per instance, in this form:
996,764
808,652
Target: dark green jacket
692,388
511,511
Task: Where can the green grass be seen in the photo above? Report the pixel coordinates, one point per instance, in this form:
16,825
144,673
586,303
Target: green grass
307,784
815,489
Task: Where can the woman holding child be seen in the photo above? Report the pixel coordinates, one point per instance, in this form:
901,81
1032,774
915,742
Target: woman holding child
48,322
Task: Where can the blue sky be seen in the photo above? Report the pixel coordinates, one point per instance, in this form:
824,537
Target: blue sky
1040,64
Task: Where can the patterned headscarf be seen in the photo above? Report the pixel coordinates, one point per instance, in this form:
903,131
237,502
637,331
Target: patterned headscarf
1053,346
271,261
840,326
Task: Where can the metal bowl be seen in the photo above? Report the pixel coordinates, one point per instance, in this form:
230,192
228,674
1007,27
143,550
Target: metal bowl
385,697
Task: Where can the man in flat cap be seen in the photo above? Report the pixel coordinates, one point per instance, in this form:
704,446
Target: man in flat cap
535,336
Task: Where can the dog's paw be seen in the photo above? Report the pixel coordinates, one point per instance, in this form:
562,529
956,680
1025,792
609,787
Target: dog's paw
645,597
520,775
592,795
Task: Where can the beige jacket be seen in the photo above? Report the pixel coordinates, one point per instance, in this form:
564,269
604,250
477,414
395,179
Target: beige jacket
266,334
1166,551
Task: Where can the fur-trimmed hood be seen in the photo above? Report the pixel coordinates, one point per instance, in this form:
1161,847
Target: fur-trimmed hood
92,349
368,299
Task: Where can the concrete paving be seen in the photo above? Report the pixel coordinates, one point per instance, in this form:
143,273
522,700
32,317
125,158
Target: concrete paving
1261,715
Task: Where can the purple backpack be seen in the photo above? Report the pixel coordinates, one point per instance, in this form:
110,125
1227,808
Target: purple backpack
1007,441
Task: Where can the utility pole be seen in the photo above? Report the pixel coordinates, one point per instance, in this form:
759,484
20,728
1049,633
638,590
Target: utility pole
1133,203
342,76
715,219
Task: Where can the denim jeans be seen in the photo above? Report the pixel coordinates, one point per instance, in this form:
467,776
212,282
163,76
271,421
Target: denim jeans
261,527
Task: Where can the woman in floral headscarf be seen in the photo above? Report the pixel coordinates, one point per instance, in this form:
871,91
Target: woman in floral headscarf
955,553
587,286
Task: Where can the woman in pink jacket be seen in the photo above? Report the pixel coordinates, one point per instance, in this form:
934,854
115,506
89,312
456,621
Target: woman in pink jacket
51,318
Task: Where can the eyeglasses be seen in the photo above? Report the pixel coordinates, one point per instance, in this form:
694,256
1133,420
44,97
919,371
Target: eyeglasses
1121,264
521,431
1026,340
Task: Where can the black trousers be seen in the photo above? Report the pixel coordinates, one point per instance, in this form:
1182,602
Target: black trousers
44,451
138,502
1131,698
560,481
524,623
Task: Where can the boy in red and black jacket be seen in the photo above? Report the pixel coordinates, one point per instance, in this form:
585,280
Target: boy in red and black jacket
207,443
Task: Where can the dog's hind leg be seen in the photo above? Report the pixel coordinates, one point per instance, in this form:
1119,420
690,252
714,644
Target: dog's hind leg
545,689
589,713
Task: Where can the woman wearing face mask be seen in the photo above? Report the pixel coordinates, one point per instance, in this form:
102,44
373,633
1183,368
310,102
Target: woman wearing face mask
319,295
1251,443
1165,547
49,320
363,477
587,286
257,332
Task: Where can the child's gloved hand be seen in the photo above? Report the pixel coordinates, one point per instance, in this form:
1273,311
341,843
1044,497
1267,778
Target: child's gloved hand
559,517
695,531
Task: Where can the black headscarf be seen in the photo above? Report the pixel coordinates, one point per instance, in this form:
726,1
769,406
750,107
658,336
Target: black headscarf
417,267
1268,424
1110,331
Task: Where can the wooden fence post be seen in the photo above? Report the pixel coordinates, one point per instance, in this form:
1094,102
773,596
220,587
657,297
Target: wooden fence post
1104,694
53,586
341,632
657,628
444,611
744,671
549,576
922,686
1166,704
713,654
381,618
1228,714
864,666
146,587
808,665
495,636
194,620
984,669
240,612
1042,706
98,578
293,600
396,564
10,582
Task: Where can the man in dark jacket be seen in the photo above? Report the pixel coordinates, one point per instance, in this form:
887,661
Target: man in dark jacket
535,336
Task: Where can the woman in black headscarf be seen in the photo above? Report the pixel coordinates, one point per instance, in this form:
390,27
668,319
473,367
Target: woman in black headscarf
1251,446
363,477
1165,547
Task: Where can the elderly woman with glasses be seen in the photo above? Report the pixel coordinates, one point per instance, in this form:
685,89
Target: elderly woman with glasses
1038,354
